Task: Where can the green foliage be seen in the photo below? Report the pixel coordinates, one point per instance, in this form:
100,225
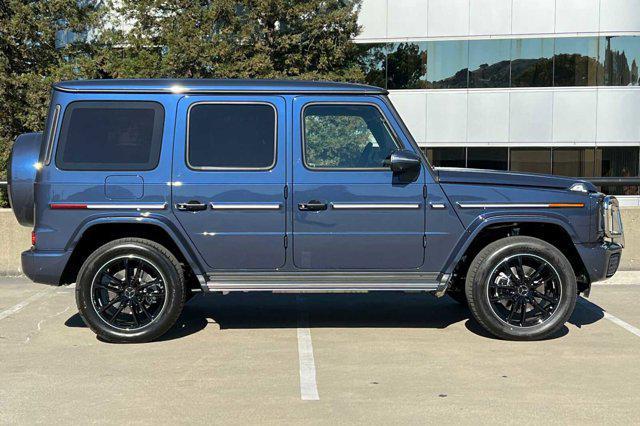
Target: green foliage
305,39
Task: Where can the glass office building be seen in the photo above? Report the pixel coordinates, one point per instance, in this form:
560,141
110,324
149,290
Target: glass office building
541,86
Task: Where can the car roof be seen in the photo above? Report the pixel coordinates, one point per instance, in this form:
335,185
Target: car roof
214,86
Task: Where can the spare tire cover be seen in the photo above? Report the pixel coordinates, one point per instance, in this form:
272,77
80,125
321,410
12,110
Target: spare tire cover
22,175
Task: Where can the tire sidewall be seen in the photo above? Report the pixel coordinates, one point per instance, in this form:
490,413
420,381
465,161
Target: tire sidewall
174,291
477,287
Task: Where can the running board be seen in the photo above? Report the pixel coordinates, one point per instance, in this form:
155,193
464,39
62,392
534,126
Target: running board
327,282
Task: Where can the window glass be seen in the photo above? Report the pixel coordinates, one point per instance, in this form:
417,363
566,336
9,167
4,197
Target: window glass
346,136
533,160
447,157
447,64
488,158
407,66
617,162
110,136
575,162
238,136
619,60
489,63
374,64
532,62
576,61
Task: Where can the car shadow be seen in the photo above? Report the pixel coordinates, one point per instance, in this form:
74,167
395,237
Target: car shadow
263,310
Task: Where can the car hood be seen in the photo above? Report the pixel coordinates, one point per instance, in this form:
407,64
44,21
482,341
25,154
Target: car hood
496,177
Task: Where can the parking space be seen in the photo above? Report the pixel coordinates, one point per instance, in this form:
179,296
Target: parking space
376,358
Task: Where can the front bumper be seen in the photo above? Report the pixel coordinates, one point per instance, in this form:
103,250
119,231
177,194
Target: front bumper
600,259
44,267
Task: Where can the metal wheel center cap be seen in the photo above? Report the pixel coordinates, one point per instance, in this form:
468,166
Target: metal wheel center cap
129,292
523,290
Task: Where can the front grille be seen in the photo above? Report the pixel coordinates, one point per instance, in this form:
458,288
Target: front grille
614,262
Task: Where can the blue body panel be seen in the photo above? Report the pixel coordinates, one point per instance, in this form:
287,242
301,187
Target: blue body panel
428,238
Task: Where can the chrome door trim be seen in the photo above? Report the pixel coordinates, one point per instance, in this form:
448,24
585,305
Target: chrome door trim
377,206
245,206
519,205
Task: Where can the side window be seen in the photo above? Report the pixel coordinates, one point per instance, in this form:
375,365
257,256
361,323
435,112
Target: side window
232,136
346,137
110,135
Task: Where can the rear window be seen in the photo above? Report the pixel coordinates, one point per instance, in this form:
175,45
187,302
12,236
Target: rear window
232,136
110,136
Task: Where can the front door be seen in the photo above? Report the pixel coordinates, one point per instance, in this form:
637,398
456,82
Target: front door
350,211
229,173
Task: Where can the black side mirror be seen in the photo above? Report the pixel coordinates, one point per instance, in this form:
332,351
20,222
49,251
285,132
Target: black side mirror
403,161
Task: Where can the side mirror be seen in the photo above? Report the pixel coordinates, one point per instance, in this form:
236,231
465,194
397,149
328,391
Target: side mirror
403,161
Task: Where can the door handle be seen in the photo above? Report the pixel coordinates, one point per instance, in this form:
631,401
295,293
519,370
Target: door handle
312,206
191,206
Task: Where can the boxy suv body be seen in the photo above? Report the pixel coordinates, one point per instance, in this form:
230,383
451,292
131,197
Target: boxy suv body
143,191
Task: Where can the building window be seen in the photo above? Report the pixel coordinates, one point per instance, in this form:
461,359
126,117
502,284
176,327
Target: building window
576,61
576,162
489,63
447,64
488,158
447,157
407,66
532,62
619,60
617,162
533,160
374,64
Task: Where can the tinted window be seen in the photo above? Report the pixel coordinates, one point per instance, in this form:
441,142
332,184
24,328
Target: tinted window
576,62
534,160
374,64
447,64
532,62
488,158
576,162
489,63
239,136
447,157
110,136
407,66
619,60
346,136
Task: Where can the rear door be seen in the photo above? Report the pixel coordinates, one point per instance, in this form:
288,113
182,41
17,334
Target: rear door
229,173
350,211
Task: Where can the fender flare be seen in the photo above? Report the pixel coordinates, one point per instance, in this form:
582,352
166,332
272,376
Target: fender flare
484,221
153,219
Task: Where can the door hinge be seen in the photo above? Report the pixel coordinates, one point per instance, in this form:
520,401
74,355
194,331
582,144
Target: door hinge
286,192
286,241
424,191
424,240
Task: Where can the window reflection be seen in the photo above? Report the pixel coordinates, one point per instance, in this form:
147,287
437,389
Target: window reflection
576,162
532,62
447,64
489,63
407,66
488,158
619,60
534,160
373,63
576,61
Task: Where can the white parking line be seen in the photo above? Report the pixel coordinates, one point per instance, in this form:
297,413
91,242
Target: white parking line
308,385
614,319
16,308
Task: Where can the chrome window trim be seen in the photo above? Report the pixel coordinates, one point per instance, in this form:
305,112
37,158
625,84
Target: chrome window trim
231,102
245,206
303,138
377,206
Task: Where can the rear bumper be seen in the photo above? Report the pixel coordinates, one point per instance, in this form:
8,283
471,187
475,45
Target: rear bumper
600,259
44,267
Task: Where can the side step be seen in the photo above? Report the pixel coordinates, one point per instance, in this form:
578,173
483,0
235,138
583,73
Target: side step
327,282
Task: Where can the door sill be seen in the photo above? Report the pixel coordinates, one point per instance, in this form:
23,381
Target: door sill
326,282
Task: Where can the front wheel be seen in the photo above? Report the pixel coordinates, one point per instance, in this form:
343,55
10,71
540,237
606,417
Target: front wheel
130,290
521,288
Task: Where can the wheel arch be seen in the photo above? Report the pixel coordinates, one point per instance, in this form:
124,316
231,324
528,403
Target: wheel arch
98,231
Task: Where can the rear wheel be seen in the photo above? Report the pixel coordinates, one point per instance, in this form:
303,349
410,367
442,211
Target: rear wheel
130,290
521,288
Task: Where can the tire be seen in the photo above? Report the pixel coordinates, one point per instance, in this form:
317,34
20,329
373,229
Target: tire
133,279
532,308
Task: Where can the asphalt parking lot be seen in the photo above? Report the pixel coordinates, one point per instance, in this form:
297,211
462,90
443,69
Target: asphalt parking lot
318,358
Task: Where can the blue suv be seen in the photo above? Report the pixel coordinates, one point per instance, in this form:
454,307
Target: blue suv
145,191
